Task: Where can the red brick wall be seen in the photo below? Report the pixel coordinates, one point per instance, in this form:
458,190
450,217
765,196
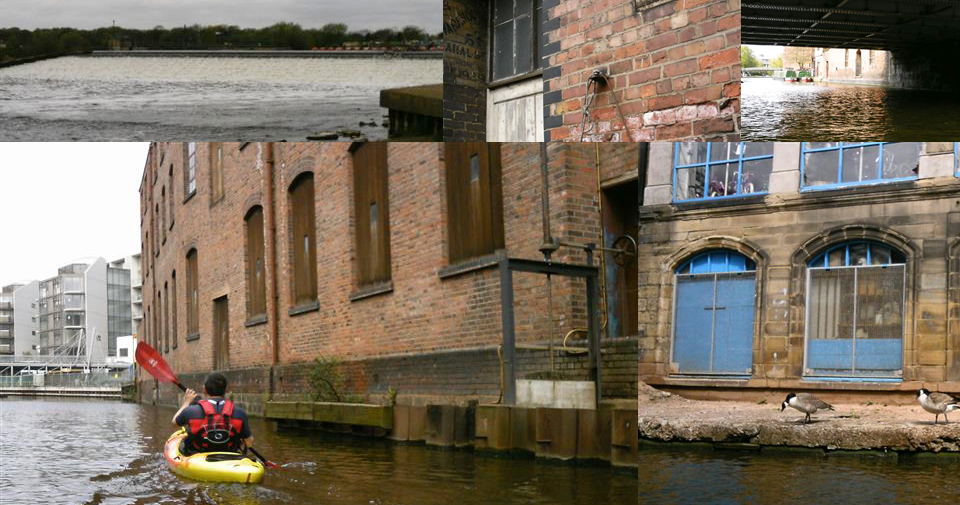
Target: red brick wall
424,312
674,68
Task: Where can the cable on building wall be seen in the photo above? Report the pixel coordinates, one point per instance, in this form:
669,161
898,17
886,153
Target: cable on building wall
596,78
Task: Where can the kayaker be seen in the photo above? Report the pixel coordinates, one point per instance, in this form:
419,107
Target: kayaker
213,424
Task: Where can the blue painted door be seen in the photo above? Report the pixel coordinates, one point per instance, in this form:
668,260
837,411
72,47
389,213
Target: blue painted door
714,324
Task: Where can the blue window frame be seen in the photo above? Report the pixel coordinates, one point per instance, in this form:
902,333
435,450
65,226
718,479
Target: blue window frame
830,165
855,312
713,170
716,261
713,324
857,253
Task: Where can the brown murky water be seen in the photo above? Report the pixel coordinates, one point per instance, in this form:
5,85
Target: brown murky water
703,476
775,110
76,451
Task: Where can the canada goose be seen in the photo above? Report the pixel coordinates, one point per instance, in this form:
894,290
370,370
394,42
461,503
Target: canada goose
937,403
806,403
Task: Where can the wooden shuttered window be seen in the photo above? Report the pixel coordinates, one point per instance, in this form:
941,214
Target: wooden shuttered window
256,276
216,172
193,295
474,201
303,240
371,211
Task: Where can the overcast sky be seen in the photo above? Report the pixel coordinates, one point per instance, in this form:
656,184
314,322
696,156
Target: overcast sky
63,202
357,14
770,52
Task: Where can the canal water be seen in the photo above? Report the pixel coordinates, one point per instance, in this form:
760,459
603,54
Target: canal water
77,451
216,99
704,476
774,110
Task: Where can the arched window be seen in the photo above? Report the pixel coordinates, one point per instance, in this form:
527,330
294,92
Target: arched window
714,314
855,300
303,241
256,273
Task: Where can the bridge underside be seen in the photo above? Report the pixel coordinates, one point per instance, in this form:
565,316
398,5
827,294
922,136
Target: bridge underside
890,25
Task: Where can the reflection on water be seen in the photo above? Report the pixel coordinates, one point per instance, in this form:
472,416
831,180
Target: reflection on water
97,452
775,110
702,476
153,98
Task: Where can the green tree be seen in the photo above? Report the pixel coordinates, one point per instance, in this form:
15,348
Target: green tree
747,58
776,62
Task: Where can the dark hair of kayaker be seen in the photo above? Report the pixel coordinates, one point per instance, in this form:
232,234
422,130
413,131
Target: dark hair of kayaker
216,384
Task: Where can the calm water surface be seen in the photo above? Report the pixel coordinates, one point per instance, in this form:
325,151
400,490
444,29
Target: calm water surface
677,475
196,98
775,110
75,451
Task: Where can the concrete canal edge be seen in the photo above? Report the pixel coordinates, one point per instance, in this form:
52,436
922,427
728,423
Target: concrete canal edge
606,434
826,435
426,55
416,112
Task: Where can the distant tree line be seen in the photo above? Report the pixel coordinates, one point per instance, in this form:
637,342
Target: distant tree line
17,43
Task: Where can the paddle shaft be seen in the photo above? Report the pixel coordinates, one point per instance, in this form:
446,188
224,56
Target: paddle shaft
265,462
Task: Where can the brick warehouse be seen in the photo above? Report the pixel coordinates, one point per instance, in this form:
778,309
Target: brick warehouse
408,296
672,69
813,266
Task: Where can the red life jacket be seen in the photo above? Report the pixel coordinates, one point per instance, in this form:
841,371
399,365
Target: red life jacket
215,431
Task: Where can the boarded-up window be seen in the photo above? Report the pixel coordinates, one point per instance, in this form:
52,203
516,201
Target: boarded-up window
371,212
256,283
193,295
474,202
216,172
303,240
166,318
516,37
172,198
173,308
189,169
162,214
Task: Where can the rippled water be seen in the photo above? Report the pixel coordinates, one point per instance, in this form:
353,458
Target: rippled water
155,98
75,451
775,110
703,476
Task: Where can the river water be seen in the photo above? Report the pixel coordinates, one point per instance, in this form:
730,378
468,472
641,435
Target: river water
77,451
774,110
703,476
192,98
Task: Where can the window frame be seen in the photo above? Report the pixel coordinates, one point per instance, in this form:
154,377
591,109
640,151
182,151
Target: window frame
460,224
193,294
371,187
215,157
256,291
173,307
706,176
303,299
189,170
840,185
536,9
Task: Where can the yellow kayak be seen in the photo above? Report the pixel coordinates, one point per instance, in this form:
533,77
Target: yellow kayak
210,466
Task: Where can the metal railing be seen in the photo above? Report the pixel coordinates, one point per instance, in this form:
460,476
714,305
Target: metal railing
72,381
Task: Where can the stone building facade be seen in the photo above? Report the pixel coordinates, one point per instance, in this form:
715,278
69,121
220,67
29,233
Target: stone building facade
670,70
800,266
373,264
863,66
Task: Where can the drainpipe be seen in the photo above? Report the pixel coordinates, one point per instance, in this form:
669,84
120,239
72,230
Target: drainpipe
271,236
548,247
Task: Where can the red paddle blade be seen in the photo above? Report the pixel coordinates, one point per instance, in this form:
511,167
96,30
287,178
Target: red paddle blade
151,361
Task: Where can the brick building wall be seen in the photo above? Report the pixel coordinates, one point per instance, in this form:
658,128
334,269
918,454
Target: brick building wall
781,232
430,311
674,67
464,70
840,65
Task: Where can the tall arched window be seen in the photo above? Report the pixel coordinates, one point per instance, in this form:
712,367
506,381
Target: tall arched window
303,241
193,296
855,301
714,314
